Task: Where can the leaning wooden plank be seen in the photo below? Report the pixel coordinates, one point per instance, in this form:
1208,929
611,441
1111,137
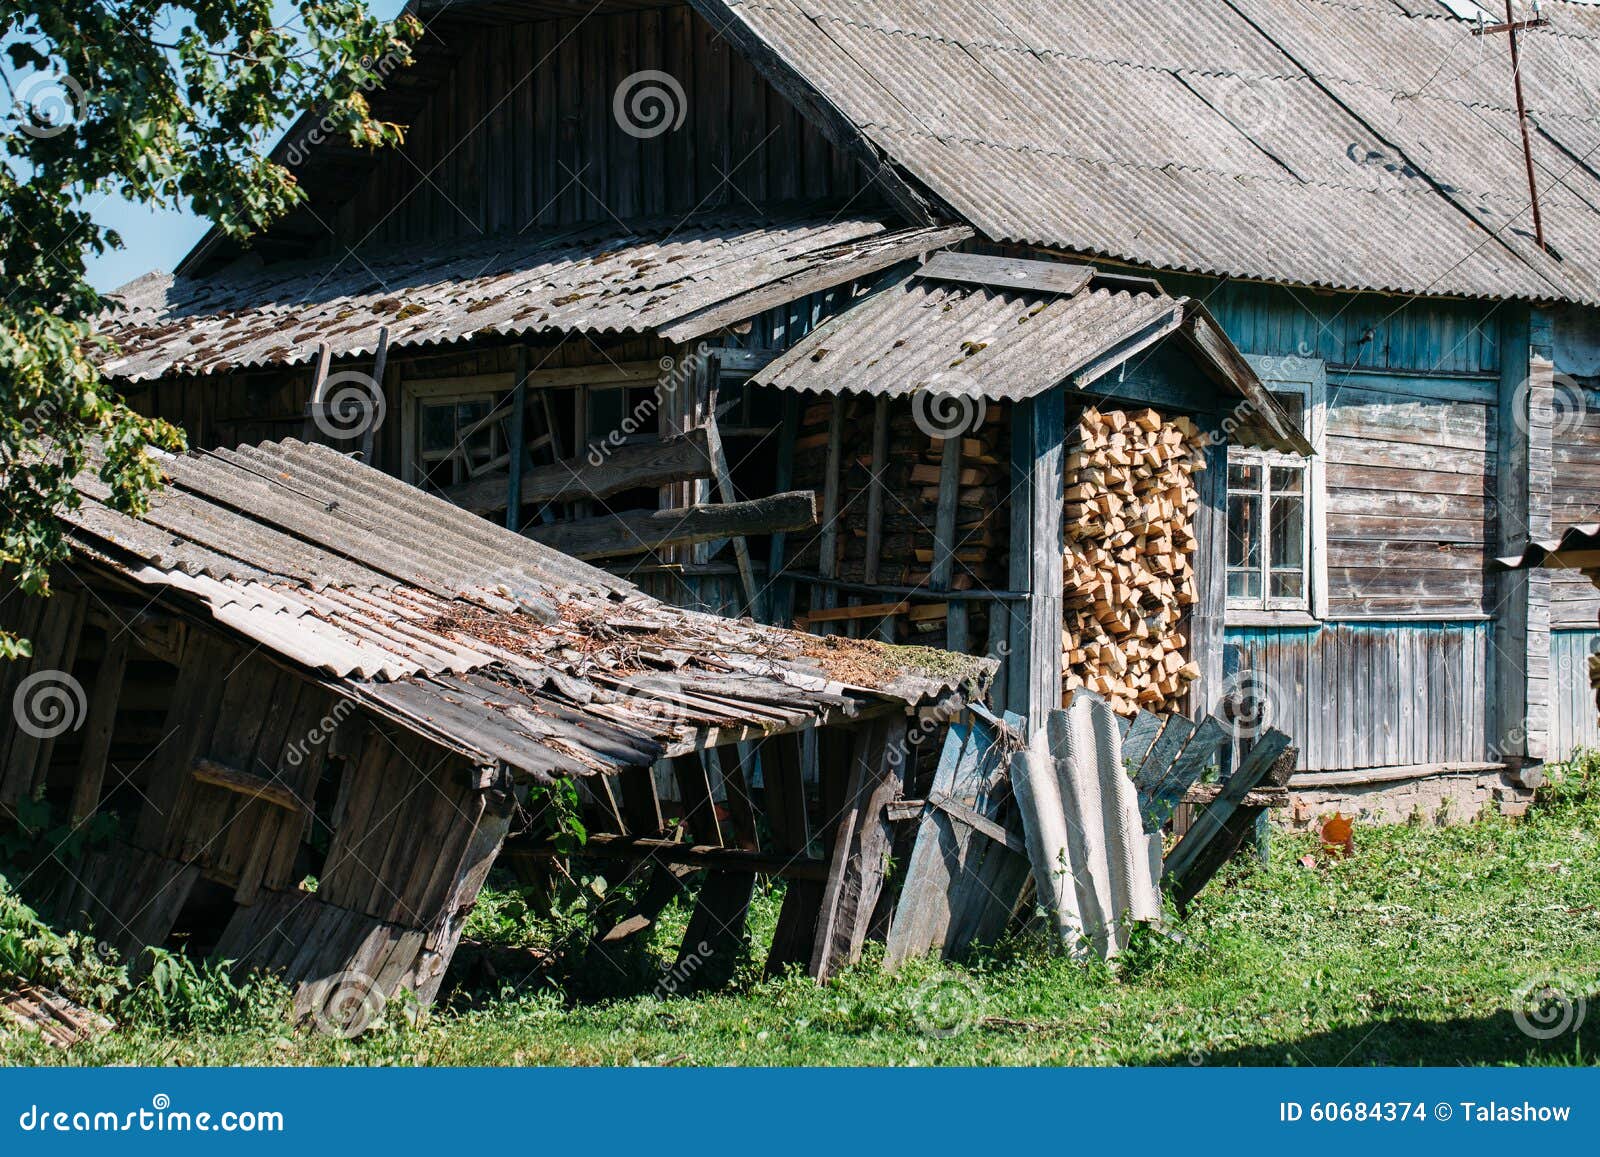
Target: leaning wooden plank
1152,771
1239,827
714,940
96,749
1184,859
1013,273
861,845
599,473
1140,736
245,783
640,531
784,800
1160,794
860,611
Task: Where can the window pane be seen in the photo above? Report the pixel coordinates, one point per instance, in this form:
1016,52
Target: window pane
1288,479
1244,530
469,415
1288,584
438,428
1288,531
1294,404
1244,476
1244,584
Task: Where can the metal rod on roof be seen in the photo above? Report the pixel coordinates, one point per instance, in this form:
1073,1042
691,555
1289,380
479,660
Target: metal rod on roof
1511,28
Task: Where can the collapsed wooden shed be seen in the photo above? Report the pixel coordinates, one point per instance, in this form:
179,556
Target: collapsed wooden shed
316,698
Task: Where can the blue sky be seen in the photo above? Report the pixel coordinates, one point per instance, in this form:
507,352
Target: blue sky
159,240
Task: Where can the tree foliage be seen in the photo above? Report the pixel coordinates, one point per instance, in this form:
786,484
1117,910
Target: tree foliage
172,105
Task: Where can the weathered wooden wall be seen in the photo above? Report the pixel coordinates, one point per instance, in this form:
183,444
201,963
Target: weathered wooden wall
1574,722
1360,695
523,134
1575,492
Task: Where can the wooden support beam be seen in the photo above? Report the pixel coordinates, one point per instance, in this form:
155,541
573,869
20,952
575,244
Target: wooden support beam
780,600
209,771
828,543
516,452
944,542
784,799
606,846
640,531
725,490
875,495
859,611
380,363
1038,545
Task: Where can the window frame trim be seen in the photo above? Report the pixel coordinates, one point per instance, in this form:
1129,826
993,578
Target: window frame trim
1310,375
472,387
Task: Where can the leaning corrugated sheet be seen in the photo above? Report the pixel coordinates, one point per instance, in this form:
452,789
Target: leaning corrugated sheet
666,277
481,640
1095,869
1339,143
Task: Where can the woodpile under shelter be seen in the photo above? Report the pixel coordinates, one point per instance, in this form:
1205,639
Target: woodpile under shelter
317,699
1271,359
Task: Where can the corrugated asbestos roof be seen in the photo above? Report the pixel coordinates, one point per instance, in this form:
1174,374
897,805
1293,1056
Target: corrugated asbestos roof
669,277
957,339
1559,552
469,634
1355,144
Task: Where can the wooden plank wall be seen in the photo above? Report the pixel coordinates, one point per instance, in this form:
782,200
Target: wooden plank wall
1360,695
1574,722
522,135
1575,493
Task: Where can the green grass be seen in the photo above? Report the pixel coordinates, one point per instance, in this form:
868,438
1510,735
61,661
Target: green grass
1414,951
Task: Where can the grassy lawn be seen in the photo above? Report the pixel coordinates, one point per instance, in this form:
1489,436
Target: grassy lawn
1414,951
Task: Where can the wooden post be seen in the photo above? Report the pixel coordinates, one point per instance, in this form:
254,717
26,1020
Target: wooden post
515,448
780,601
880,462
828,561
944,541
102,720
380,362
1038,545
1208,616
1522,503
712,368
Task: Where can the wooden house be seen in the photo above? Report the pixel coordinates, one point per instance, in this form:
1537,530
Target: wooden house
320,703
640,255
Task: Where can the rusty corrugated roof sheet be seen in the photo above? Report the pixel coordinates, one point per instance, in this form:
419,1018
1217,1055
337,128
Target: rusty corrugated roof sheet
473,636
679,278
954,339
1354,144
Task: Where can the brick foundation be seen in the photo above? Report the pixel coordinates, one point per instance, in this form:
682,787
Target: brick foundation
1392,795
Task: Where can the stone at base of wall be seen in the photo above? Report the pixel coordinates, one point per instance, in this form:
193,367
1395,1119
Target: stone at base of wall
1445,794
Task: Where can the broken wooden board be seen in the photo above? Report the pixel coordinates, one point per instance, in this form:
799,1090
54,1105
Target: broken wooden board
641,531
960,884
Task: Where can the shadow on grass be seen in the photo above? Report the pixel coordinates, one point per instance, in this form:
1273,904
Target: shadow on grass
1489,1040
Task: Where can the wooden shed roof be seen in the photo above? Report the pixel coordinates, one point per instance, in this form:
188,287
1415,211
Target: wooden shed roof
467,633
680,278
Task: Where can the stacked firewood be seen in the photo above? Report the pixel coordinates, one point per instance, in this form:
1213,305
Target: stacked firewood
906,555
1129,573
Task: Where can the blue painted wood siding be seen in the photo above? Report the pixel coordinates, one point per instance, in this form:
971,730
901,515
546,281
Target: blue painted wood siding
1573,719
1373,694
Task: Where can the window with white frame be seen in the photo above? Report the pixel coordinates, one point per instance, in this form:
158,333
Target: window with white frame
1276,541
